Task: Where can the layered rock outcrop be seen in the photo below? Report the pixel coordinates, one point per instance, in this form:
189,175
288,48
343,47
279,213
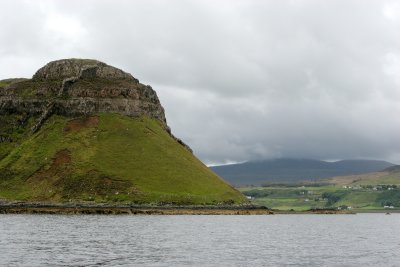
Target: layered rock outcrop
84,68
73,87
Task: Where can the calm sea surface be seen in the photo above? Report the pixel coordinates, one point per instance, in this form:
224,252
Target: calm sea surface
277,240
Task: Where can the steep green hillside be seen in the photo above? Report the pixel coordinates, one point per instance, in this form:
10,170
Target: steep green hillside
106,157
81,130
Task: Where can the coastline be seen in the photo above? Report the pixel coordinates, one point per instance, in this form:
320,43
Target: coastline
317,211
109,209
16,207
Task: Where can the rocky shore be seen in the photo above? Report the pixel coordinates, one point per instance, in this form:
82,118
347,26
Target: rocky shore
83,208
314,211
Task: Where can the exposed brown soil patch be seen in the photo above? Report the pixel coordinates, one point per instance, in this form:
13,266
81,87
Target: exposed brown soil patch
61,158
76,125
93,183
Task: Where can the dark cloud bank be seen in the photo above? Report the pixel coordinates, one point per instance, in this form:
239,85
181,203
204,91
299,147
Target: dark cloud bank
239,80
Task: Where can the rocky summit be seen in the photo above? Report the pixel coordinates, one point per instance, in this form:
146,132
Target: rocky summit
81,130
74,87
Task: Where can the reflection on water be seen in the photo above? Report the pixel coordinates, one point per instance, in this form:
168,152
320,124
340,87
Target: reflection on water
298,240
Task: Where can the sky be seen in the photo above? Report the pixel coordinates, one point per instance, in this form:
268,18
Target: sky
239,80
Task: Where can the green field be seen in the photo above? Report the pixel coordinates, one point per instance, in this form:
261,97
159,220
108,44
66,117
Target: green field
302,198
6,82
103,158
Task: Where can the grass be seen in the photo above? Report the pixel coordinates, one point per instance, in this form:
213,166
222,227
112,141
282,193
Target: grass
107,158
42,89
5,82
373,178
13,127
386,178
356,191
360,199
303,198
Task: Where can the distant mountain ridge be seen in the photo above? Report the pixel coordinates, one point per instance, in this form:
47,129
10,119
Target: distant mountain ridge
294,170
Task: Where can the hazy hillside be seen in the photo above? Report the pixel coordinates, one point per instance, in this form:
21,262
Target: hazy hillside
294,170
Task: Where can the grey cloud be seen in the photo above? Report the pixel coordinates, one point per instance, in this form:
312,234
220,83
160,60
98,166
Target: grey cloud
240,80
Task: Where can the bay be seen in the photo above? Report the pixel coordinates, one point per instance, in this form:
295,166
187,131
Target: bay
274,240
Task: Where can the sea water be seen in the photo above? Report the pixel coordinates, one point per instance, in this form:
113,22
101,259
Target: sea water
127,240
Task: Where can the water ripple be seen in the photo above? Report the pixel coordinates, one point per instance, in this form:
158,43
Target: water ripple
281,240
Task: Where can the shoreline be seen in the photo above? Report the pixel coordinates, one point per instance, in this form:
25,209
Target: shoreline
109,209
16,207
338,212
316,212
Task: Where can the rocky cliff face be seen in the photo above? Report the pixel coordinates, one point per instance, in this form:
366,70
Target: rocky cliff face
74,87
84,68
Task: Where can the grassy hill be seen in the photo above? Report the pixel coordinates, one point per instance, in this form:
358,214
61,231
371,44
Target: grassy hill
104,157
373,178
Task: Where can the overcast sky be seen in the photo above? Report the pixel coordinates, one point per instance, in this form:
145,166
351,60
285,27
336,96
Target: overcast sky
239,80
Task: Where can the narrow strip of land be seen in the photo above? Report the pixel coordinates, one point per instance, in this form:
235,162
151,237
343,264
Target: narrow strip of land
49,208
